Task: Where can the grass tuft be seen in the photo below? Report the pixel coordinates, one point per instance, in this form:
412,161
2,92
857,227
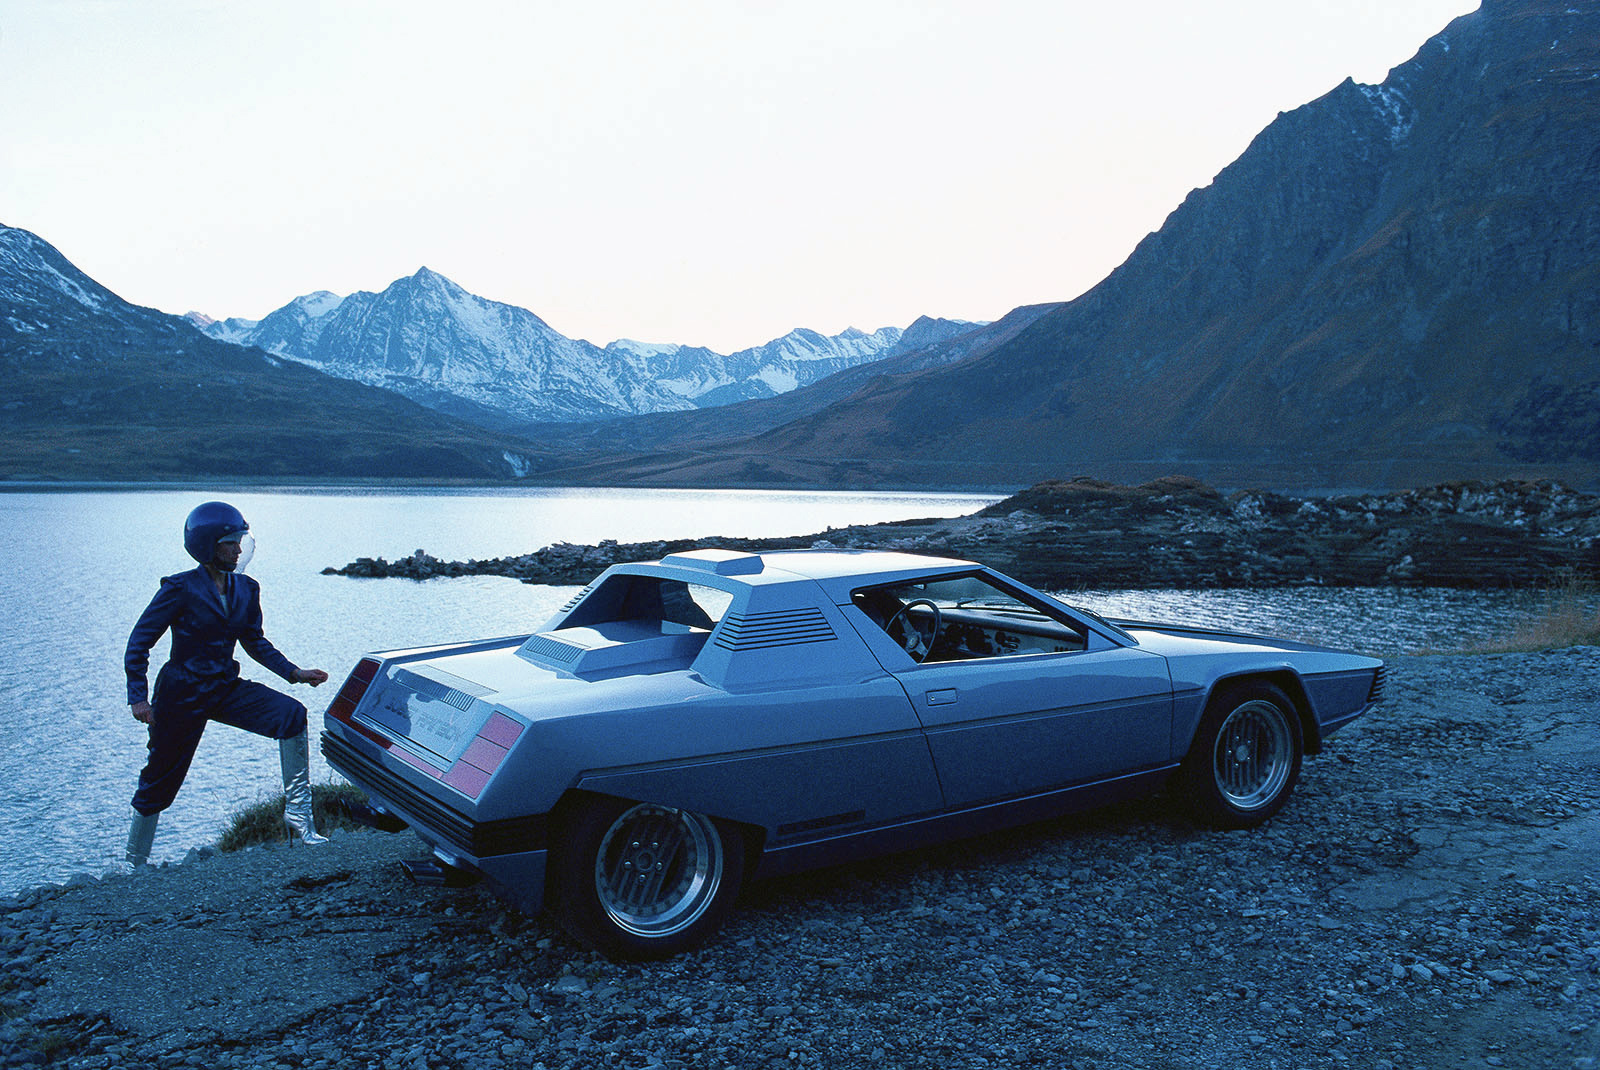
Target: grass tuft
1566,614
263,822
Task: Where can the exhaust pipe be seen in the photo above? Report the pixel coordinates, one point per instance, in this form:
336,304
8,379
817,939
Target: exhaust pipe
363,814
432,873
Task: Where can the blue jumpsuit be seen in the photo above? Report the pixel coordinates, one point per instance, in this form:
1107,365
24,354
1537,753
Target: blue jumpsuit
200,681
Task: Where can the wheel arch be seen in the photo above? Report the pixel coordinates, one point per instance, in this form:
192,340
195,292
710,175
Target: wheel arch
753,837
1288,681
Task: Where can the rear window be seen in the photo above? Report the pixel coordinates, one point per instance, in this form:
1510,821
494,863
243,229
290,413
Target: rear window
649,598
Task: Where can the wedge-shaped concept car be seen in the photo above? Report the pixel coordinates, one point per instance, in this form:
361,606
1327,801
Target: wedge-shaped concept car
683,724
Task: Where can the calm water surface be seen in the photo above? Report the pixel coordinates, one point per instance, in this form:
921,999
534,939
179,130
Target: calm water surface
78,568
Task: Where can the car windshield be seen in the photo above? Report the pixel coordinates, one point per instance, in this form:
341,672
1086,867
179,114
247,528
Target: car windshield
1098,619
965,592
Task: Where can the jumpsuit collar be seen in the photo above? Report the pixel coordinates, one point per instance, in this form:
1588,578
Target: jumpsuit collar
222,599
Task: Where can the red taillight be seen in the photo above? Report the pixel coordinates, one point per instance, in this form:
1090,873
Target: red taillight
483,755
469,774
355,685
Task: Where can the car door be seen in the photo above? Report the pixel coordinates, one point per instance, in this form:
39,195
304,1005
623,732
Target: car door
1005,725
1020,725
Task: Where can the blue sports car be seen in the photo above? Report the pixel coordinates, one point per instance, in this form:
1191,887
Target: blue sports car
681,725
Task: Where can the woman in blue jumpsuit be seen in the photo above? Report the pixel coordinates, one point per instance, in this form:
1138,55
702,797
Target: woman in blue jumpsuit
208,610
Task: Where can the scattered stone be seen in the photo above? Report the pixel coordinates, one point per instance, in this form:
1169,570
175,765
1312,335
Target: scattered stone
1116,938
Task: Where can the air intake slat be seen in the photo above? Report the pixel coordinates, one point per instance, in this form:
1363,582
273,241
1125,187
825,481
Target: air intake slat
433,689
542,646
786,628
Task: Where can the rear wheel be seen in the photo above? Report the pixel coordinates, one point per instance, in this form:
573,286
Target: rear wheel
641,881
1245,758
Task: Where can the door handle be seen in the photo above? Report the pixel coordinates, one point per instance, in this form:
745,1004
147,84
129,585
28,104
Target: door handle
942,697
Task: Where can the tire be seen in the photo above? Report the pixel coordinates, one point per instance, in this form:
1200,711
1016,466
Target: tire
640,881
1245,758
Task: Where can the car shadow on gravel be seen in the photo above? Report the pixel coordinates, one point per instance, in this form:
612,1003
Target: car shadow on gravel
887,876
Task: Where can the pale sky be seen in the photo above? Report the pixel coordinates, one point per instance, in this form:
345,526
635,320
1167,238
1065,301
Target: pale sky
709,173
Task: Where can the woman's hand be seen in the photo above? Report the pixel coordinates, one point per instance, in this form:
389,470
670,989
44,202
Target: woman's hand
314,677
141,712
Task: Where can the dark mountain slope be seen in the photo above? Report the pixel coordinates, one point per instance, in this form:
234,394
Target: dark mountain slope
1393,284
97,388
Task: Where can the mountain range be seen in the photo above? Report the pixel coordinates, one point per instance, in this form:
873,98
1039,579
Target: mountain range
1393,285
430,340
98,388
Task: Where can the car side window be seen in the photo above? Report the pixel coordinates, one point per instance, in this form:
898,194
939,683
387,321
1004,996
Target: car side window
960,618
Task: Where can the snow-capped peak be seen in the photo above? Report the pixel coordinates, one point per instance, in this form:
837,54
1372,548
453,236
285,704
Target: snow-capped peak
317,304
644,349
445,347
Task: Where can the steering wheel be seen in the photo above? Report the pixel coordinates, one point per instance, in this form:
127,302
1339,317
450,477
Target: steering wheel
911,637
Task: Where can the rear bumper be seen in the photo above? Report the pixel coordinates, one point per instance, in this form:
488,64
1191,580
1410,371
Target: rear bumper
510,852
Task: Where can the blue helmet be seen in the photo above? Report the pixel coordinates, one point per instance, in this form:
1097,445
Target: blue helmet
208,524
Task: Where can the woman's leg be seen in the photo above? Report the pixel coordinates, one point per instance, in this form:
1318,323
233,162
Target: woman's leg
174,735
257,708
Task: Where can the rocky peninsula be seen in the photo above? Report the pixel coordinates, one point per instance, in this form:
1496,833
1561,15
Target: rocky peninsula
1429,898
1177,532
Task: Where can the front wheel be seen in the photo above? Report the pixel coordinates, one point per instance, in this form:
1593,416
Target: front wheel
640,881
1245,758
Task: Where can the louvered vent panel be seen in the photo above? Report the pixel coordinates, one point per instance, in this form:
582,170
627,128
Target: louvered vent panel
787,628
575,599
433,689
543,646
1379,682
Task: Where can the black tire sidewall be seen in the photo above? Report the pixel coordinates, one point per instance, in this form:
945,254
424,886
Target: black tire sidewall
1198,777
581,829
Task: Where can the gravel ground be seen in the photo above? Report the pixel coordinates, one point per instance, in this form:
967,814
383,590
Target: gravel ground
1430,898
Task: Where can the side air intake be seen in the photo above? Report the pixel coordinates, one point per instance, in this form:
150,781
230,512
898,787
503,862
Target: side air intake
1380,680
787,628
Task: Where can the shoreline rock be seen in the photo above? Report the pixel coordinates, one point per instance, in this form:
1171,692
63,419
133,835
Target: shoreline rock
1176,532
1427,898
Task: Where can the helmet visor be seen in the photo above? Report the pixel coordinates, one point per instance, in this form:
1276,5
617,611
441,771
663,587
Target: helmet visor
229,560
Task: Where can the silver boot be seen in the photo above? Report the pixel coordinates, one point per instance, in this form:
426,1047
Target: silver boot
296,757
141,834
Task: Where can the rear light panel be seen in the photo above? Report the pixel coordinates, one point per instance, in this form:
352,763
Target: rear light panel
469,774
355,686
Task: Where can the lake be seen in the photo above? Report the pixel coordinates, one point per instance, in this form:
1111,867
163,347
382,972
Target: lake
80,566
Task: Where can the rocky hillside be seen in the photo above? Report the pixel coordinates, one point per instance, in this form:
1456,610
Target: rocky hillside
1067,535
1394,285
97,388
